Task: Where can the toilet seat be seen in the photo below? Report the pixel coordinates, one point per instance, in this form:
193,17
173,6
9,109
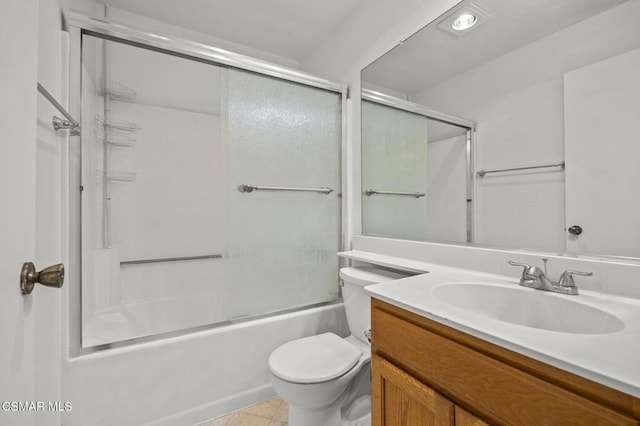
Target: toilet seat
314,359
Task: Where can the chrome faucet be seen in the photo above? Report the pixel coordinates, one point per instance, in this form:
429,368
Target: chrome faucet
534,277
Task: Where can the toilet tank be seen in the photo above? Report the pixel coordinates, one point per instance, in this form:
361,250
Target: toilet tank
357,303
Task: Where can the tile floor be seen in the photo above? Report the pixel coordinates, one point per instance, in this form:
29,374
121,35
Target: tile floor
272,412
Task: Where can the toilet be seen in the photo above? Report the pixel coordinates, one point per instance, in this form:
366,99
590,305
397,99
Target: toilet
326,379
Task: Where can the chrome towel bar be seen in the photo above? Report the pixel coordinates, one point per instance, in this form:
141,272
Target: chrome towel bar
170,259
370,192
481,173
58,123
251,188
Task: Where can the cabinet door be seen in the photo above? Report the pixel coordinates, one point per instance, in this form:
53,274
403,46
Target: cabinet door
464,418
401,400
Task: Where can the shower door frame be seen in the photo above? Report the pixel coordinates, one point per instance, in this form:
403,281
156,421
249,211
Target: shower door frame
80,25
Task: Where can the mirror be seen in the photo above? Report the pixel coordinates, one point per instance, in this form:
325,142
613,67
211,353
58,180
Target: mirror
536,106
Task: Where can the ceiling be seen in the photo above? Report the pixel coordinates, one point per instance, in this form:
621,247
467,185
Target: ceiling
432,55
288,28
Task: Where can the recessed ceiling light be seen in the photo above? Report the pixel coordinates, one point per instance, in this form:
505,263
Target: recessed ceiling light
464,22
463,19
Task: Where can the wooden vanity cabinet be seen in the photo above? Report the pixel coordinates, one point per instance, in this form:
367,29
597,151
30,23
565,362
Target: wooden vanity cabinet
425,373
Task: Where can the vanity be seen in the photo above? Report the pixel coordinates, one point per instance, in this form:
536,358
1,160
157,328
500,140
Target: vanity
434,362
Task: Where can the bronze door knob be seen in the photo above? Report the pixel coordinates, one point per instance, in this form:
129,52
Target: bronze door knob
53,276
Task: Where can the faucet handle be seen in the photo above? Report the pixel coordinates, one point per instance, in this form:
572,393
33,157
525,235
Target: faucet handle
566,279
529,273
524,265
528,269
525,271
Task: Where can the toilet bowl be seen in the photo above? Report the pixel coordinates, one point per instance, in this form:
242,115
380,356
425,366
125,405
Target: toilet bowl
321,376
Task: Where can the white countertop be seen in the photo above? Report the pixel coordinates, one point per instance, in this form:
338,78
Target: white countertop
610,359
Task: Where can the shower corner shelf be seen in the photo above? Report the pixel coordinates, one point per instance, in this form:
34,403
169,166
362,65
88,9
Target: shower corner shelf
123,141
117,176
117,91
123,125
117,138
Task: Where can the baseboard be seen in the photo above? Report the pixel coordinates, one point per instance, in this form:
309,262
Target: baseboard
217,408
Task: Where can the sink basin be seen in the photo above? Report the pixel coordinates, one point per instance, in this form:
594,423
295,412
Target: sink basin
528,307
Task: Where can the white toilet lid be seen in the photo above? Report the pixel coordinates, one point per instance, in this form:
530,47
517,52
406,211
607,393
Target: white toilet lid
314,359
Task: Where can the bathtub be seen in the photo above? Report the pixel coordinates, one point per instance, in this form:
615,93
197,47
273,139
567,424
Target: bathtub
190,378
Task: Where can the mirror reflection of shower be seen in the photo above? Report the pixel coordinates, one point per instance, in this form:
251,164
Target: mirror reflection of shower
416,170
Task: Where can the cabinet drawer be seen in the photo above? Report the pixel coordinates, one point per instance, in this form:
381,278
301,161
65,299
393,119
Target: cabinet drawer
502,393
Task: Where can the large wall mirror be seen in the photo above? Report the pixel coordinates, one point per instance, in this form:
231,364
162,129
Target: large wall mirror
514,123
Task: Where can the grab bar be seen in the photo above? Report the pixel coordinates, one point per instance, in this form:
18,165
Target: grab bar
58,123
370,192
481,173
251,188
170,259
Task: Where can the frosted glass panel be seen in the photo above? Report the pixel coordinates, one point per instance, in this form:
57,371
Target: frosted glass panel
281,244
394,158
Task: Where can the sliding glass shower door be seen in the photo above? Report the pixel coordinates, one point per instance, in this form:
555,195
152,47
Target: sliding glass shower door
282,240
172,238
